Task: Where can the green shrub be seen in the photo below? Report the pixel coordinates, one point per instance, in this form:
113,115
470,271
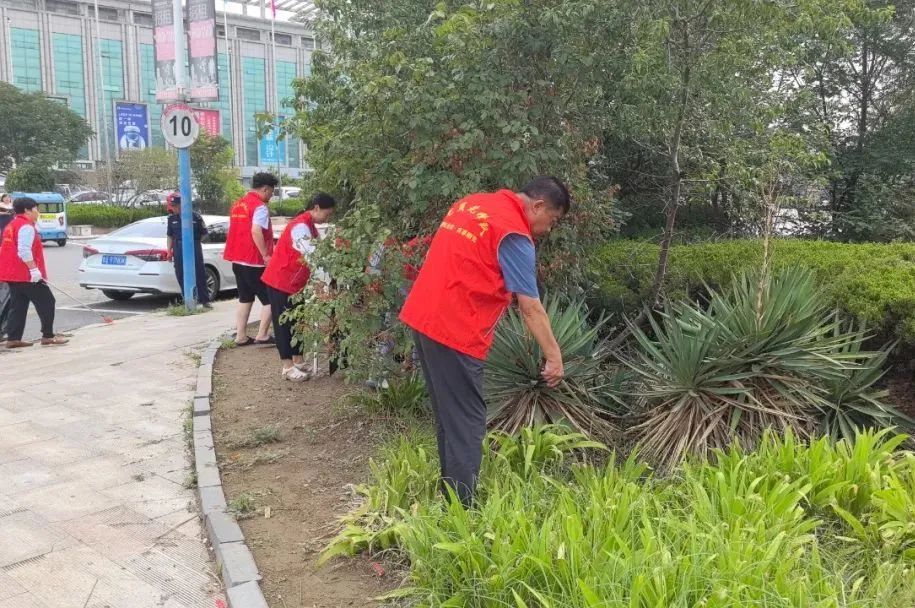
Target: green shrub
791,524
109,216
291,207
874,283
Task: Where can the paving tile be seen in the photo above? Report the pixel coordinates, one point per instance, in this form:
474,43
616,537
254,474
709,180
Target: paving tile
8,417
9,588
65,501
27,535
100,472
58,451
23,600
26,474
15,435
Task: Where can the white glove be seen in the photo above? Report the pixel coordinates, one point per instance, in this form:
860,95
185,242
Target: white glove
34,275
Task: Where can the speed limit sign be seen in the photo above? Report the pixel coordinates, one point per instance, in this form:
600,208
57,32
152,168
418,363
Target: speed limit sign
179,126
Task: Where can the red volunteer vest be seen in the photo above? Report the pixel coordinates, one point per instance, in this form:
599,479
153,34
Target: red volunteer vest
12,269
240,245
459,295
287,272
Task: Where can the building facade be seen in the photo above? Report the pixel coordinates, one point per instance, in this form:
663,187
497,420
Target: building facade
89,62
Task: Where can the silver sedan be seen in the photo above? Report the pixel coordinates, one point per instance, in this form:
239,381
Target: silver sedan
134,259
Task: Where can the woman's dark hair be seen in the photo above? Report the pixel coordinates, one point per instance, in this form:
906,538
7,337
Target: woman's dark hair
322,200
23,204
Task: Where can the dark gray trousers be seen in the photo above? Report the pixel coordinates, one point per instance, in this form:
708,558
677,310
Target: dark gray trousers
455,384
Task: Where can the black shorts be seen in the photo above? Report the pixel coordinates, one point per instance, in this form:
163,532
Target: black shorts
248,279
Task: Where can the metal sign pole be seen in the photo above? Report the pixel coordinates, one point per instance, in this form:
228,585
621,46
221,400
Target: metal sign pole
184,171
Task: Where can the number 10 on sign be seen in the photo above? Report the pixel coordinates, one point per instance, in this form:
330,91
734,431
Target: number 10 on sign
179,126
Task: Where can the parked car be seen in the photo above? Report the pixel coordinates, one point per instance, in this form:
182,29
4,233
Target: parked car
89,197
284,193
134,260
149,198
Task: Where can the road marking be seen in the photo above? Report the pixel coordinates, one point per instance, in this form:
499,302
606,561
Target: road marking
104,310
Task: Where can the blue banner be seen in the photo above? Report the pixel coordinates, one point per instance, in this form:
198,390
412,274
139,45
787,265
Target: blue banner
131,126
272,151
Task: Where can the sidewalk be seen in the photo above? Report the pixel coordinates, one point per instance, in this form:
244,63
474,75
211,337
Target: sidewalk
94,511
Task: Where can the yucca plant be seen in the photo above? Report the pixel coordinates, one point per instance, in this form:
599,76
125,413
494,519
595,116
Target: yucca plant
855,402
516,394
758,357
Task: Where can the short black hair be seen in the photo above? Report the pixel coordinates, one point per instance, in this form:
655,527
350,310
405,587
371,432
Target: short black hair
322,200
550,189
23,204
264,179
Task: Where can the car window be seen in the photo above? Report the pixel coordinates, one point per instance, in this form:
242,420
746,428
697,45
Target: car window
217,233
50,207
144,230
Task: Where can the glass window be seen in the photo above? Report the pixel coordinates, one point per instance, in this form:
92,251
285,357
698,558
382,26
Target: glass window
112,84
217,233
148,229
50,207
285,75
244,33
148,92
254,92
69,78
26,54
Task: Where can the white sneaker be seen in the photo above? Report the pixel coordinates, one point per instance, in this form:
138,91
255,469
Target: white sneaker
294,374
303,367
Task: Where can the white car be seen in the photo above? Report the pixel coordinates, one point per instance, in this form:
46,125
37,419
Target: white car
133,260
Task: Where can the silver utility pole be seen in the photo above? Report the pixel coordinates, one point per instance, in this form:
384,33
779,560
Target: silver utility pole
104,115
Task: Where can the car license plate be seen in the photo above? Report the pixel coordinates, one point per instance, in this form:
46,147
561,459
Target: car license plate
114,260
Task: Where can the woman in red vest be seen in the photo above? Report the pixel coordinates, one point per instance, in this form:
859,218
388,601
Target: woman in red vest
249,246
287,273
22,268
482,254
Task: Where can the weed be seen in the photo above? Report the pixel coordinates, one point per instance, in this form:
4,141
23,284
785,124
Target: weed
190,481
180,310
242,505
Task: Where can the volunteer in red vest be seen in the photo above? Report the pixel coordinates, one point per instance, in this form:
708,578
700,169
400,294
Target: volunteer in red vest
249,246
287,273
22,268
482,253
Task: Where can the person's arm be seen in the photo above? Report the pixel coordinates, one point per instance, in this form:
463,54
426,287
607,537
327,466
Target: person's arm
538,323
261,222
24,251
518,261
170,248
302,241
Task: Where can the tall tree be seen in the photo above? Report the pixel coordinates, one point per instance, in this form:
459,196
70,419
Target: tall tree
35,129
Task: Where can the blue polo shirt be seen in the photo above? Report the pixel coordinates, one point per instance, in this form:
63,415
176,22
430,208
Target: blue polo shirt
518,260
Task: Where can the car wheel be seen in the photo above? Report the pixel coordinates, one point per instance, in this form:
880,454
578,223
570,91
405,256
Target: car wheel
120,296
62,242
212,282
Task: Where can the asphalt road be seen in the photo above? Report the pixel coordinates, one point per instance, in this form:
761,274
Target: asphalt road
63,274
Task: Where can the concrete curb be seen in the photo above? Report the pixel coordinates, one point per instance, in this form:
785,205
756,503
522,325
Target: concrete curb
233,558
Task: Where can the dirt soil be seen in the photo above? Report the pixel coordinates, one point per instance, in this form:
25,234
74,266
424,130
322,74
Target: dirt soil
305,478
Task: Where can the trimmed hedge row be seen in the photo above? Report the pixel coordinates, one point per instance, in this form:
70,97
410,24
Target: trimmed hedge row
109,216
874,283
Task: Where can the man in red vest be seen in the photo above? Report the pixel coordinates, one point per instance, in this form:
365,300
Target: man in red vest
287,273
249,245
22,268
482,253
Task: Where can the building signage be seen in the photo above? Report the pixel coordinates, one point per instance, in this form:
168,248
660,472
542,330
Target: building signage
209,120
164,39
131,126
272,150
201,19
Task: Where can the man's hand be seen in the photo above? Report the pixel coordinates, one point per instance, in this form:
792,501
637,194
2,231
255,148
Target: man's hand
553,372
266,259
34,275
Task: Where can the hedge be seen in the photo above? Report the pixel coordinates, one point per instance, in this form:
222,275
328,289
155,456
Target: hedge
109,216
874,283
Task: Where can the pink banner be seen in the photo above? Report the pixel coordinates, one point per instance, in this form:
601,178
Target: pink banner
208,120
201,18
164,39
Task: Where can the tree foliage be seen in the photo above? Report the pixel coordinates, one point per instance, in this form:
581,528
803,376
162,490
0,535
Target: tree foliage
647,108
30,178
215,177
36,129
149,169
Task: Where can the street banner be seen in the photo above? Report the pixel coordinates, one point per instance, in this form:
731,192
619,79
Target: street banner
131,126
271,150
208,120
164,39
201,19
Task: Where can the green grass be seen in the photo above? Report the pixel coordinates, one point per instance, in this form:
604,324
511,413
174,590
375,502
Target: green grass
180,310
242,505
788,525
